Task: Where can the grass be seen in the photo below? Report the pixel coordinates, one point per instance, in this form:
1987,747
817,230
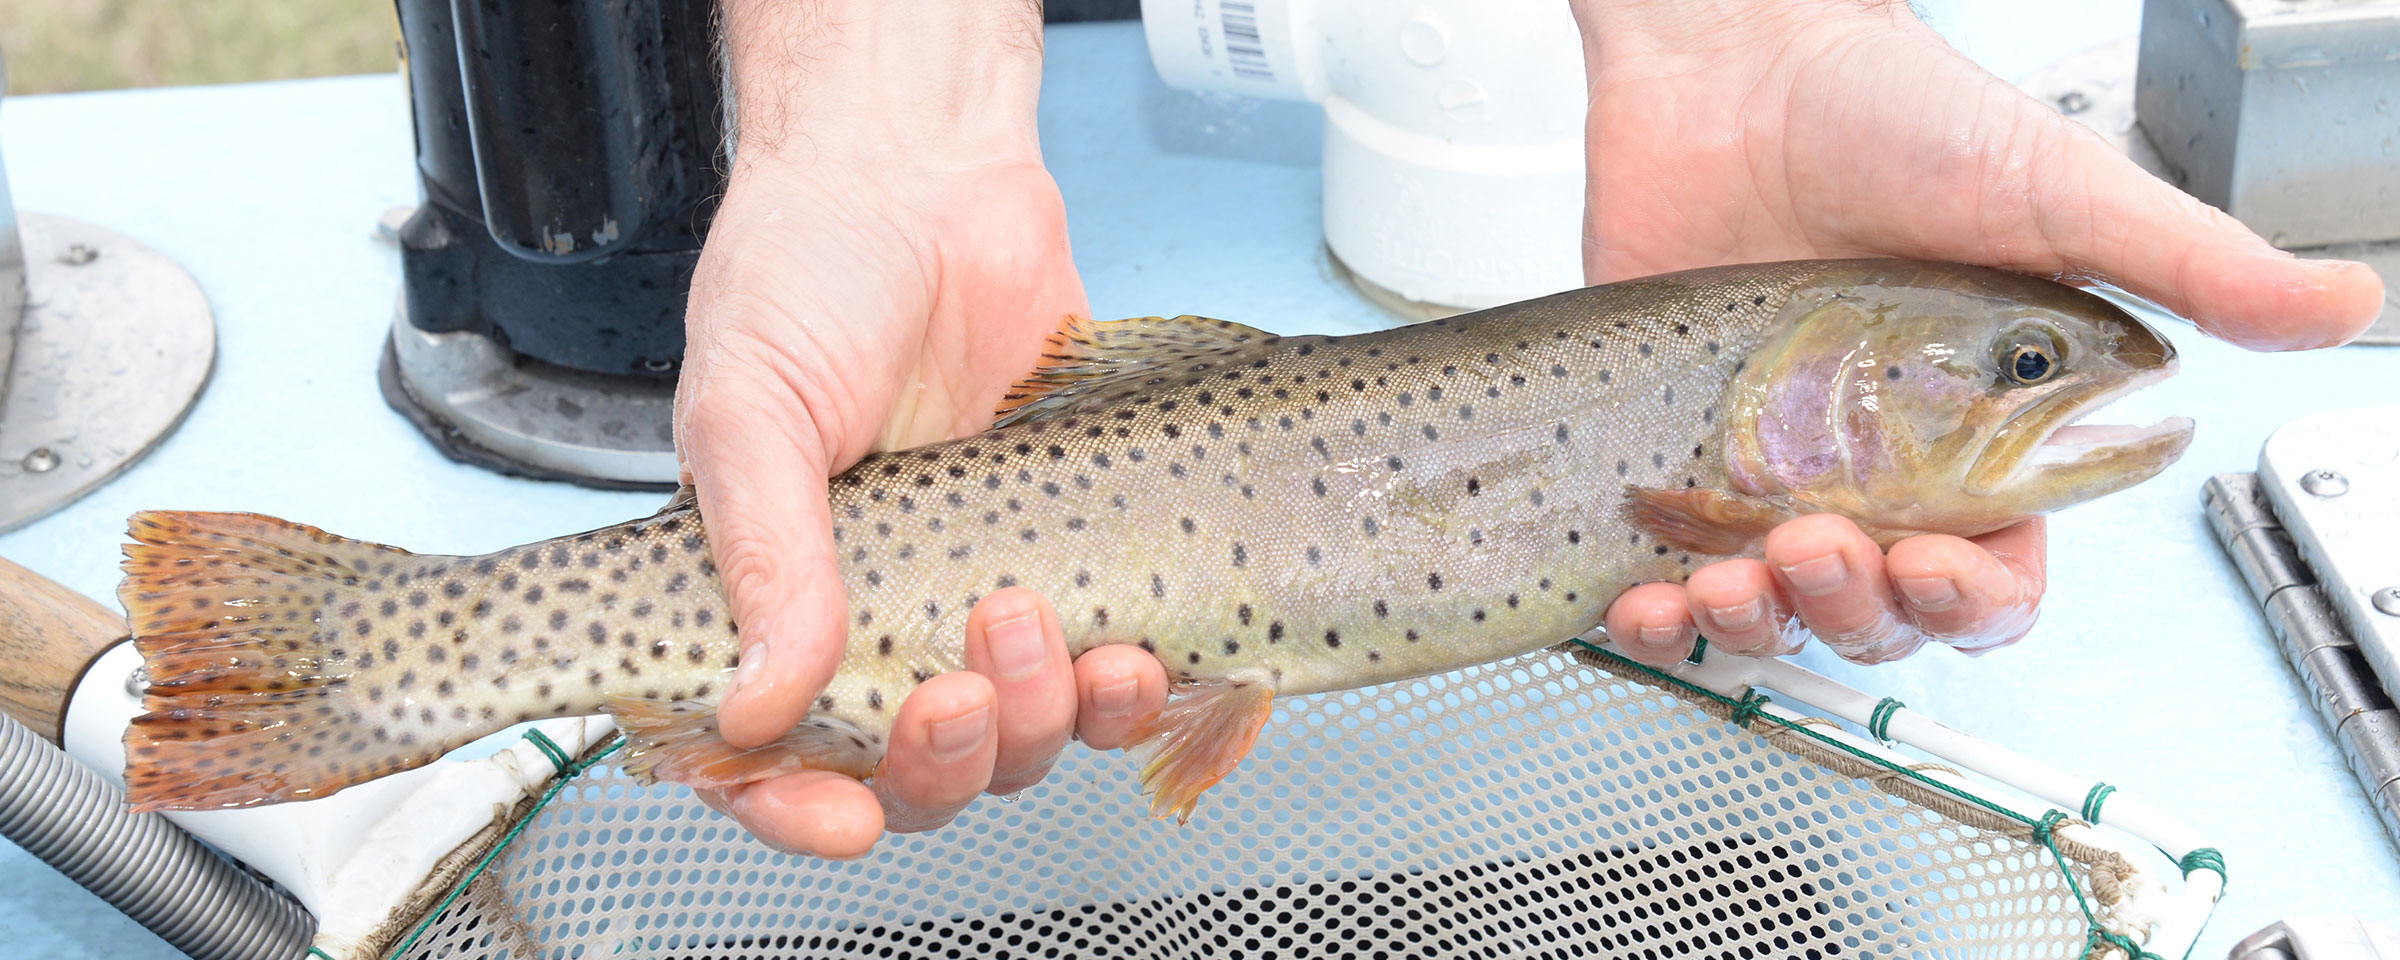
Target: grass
60,45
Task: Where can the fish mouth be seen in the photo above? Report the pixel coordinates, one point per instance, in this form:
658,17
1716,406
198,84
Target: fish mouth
2048,442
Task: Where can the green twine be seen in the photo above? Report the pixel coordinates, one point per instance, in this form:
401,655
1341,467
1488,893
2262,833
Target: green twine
1699,650
549,748
1879,723
568,770
2205,858
314,952
2095,936
1749,707
2093,800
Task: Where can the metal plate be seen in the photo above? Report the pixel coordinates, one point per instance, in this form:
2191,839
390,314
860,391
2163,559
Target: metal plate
2342,686
2334,479
2095,88
116,343
2321,938
484,405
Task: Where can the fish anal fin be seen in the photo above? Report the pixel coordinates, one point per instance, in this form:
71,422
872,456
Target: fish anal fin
677,740
1197,740
1087,364
1702,520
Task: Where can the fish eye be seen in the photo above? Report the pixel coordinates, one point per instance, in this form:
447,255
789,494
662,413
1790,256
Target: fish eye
2028,355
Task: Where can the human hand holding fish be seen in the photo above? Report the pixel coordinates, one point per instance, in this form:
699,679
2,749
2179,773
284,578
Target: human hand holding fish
1729,131
889,257
1357,510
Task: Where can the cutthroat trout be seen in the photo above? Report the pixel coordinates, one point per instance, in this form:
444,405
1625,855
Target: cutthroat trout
1268,515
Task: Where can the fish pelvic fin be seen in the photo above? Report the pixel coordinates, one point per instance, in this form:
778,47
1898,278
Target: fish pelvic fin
271,675
677,740
1702,520
1197,740
1087,364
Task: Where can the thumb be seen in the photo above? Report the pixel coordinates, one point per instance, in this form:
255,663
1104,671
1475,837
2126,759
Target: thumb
2166,246
756,462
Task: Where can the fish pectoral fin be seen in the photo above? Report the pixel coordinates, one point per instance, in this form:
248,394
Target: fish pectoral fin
1702,520
677,740
1198,739
1087,364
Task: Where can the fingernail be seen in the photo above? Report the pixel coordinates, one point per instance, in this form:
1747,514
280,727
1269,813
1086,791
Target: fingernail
955,738
1930,594
1739,616
750,666
1015,645
1658,638
1820,576
1115,701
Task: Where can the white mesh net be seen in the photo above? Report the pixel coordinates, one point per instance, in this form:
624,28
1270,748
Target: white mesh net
1535,808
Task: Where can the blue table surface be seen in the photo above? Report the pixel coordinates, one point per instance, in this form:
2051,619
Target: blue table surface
2151,669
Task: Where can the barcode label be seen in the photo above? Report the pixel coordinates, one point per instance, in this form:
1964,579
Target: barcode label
1245,51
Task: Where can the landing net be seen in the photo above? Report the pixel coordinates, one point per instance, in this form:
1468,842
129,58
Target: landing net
1568,803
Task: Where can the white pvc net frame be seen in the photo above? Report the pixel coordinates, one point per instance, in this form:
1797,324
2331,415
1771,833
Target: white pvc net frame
1567,803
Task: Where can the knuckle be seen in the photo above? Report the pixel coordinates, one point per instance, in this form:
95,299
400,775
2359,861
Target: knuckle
746,567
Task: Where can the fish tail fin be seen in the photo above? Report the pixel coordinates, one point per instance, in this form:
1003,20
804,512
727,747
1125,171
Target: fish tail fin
677,740
1197,740
271,674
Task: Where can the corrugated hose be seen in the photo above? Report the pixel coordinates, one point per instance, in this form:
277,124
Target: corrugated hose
76,821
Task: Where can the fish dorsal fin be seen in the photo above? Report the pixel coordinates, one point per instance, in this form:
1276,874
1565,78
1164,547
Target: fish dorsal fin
1087,364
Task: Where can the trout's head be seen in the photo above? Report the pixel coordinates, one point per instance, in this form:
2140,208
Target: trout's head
1918,397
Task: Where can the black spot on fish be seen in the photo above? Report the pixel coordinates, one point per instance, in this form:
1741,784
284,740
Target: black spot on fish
1433,581
1333,638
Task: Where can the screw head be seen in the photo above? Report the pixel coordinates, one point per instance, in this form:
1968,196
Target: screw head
2387,600
78,254
2073,102
2325,483
41,460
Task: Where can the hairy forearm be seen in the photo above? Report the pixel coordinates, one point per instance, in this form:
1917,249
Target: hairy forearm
878,81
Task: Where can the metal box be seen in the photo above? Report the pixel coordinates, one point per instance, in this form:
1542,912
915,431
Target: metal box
2284,113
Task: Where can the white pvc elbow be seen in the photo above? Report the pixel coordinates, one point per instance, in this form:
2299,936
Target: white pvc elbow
1453,160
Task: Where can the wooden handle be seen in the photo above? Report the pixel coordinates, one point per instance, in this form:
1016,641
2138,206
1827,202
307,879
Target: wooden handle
48,635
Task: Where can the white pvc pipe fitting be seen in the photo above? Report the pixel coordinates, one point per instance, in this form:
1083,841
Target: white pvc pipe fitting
1453,163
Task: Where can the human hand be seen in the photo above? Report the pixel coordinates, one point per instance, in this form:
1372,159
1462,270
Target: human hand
1727,131
888,257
